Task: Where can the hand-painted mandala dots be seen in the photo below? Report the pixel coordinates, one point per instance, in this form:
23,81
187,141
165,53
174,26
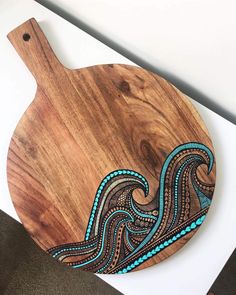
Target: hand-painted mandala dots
122,234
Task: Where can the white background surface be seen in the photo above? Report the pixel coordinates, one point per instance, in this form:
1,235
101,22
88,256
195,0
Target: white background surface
191,42
193,269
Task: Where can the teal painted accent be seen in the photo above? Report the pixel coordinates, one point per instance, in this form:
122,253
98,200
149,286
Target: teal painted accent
127,238
140,213
101,188
176,192
74,249
193,158
136,232
203,199
113,249
158,248
183,232
193,225
191,145
103,237
203,218
199,222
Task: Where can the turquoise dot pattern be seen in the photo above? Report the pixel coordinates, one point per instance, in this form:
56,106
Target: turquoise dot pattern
163,245
100,190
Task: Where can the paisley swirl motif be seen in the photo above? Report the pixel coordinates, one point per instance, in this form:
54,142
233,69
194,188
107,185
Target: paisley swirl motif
122,234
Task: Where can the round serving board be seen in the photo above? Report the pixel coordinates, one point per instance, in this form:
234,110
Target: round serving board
111,168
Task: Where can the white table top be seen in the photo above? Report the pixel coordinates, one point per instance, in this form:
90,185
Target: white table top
193,269
192,43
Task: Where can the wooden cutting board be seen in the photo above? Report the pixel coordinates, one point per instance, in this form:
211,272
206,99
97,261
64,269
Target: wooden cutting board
111,169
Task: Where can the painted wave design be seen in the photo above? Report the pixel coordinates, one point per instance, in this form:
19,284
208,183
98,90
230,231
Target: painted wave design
122,234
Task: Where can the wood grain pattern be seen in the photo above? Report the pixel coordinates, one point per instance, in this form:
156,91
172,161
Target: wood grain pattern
82,125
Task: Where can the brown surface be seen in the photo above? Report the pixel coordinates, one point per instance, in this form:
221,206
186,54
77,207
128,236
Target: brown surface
82,125
27,270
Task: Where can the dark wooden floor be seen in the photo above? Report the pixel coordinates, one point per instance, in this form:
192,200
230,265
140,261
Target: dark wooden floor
27,270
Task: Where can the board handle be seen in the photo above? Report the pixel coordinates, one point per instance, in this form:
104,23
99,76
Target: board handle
31,44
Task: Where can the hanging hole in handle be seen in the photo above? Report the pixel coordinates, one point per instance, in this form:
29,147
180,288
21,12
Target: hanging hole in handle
26,37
